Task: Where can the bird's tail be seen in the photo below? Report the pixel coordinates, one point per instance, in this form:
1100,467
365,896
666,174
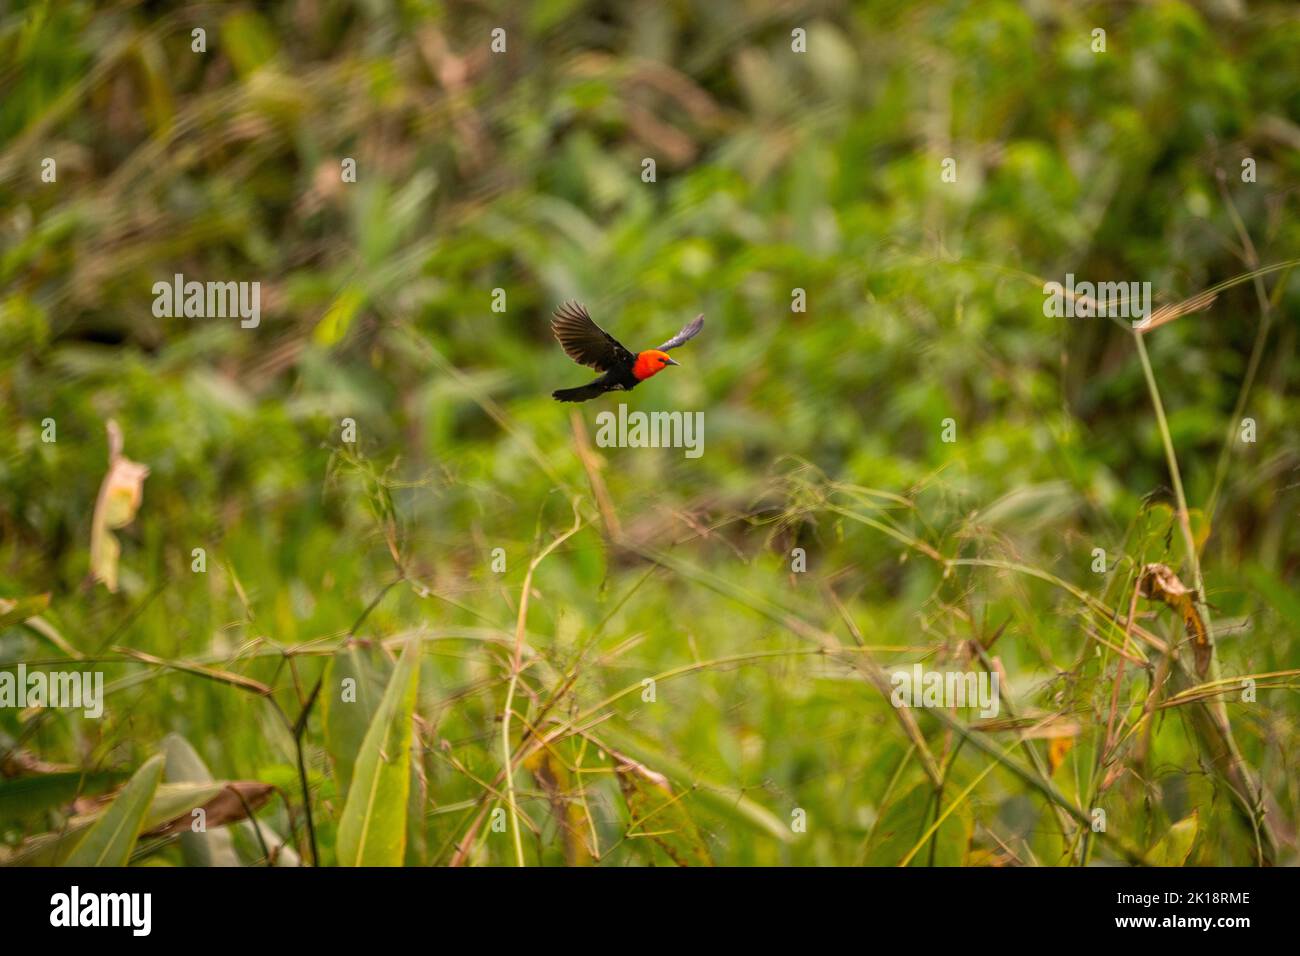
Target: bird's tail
580,394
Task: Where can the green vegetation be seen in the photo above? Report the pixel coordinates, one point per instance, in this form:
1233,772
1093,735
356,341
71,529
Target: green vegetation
344,610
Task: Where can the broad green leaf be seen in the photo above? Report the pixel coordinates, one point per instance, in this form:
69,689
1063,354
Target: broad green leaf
110,841
372,830
350,697
213,847
415,824
352,692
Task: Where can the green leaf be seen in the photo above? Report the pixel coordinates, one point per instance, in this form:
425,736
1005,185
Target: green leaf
416,849
1176,845
338,317
184,765
347,720
111,839
17,610
372,830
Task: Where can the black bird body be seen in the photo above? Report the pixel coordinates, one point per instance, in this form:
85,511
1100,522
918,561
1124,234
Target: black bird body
616,379
588,344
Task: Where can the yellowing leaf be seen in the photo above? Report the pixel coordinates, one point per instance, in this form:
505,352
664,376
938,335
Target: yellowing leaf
567,808
1057,748
1159,583
361,672
1176,845
657,814
119,499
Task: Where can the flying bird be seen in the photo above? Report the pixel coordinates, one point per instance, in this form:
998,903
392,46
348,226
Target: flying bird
588,344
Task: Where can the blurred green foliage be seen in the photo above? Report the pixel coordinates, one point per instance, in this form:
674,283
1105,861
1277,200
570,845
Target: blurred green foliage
775,171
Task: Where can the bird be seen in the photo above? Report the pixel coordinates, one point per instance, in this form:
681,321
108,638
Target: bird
588,344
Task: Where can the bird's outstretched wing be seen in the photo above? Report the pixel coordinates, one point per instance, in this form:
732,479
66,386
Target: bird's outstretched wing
687,333
586,342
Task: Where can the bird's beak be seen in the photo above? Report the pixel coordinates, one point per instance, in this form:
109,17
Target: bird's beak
671,362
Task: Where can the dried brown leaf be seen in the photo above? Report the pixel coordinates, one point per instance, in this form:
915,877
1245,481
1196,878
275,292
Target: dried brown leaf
1159,583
